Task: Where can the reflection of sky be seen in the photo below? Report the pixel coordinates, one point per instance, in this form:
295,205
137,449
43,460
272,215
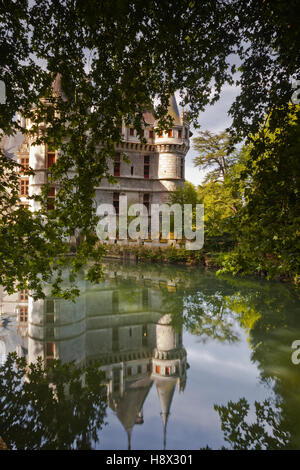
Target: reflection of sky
218,373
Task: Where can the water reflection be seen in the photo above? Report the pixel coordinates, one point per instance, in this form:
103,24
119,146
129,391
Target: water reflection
132,324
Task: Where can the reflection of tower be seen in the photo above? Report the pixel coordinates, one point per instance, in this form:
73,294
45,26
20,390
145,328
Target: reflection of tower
169,366
56,329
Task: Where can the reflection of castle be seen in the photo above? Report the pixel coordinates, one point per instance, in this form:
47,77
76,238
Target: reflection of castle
125,327
13,323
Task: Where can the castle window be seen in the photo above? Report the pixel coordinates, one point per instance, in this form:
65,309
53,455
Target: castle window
50,332
49,306
182,168
115,301
157,369
168,370
24,187
116,375
23,295
51,197
186,132
144,335
146,166
115,339
25,164
50,349
116,380
179,134
117,165
151,134
146,201
50,159
129,371
131,171
131,131
23,314
170,133
50,318
50,204
116,202
145,297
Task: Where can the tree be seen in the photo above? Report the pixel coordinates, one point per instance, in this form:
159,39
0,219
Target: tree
59,407
266,433
220,192
214,153
267,225
113,59
185,195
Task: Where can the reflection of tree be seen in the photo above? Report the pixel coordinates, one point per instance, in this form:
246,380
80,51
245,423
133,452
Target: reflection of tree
208,317
271,340
212,308
269,313
61,407
266,432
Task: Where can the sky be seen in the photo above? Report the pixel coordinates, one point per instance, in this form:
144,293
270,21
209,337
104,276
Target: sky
215,119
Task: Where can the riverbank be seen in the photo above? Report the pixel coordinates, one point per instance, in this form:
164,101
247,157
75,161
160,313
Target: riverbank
174,255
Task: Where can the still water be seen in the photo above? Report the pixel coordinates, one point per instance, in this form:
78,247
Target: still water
189,360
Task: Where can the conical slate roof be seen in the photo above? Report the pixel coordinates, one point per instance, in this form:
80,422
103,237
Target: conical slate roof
57,87
173,110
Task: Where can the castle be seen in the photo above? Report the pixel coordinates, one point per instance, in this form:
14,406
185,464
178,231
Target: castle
153,170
